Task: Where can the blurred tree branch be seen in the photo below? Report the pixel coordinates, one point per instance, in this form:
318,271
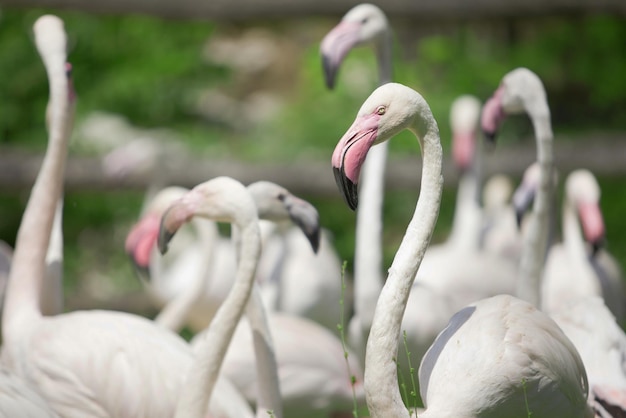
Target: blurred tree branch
263,9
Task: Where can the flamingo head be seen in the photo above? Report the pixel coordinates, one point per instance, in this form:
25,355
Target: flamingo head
275,203
464,118
363,24
520,91
390,109
583,193
221,199
143,235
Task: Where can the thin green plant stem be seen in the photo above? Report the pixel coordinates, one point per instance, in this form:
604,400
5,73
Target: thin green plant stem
403,388
413,392
528,413
342,334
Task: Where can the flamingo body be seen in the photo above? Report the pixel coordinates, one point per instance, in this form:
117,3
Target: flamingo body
506,358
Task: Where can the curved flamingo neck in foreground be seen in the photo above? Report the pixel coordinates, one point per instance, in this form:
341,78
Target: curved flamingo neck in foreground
381,378
22,304
535,241
213,346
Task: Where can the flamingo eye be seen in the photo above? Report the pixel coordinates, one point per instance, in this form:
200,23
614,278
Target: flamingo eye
380,110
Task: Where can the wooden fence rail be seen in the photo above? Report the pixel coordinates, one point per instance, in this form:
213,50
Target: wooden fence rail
605,157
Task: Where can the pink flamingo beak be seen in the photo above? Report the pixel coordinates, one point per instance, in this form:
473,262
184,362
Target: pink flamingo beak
592,223
334,48
492,115
179,213
140,241
350,153
463,146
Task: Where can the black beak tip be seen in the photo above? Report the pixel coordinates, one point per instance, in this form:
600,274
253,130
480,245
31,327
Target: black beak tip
329,72
348,189
314,239
164,238
490,137
596,246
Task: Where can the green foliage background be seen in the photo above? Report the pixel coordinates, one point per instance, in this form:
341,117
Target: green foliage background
151,71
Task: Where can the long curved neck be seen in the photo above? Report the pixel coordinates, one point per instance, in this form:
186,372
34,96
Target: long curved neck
574,244
466,224
268,383
212,349
381,378
368,252
52,287
22,304
536,238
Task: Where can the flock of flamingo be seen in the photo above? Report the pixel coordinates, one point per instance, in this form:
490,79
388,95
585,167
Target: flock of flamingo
499,320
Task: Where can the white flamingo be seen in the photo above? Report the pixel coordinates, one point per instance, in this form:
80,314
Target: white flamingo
225,199
89,363
315,379
191,286
17,398
364,24
311,364
467,156
573,270
521,90
601,342
547,363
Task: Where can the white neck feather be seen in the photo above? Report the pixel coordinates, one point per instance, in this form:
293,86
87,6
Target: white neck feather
536,236
212,349
381,379
22,303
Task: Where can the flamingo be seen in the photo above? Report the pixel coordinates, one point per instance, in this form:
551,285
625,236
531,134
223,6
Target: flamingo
223,199
85,363
16,397
572,269
546,363
521,90
364,24
315,379
591,326
466,153
311,364
190,285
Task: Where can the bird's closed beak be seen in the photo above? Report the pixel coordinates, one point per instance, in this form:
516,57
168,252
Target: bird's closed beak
463,148
140,241
492,115
592,224
350,153
174,217
304,214
334,48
